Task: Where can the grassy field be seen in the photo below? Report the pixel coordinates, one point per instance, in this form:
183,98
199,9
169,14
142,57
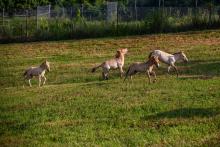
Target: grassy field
77,108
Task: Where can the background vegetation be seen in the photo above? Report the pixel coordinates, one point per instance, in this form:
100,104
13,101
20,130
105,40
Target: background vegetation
88,18
24,4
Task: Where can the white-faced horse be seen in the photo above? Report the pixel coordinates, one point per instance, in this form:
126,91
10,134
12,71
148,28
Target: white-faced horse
37,72
169,59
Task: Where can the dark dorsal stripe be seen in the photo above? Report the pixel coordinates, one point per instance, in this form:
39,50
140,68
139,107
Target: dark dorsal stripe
177,53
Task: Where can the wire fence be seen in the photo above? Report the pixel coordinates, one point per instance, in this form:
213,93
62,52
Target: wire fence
45,22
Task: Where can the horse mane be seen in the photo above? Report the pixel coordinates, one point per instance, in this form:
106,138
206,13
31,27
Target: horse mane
150,59
118,54
177,53
43,64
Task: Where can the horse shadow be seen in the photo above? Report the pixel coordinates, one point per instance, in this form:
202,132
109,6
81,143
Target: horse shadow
184,113
202,67
195,69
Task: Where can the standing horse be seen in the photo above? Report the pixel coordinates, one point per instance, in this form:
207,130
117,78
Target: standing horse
170,59
37,72
117,62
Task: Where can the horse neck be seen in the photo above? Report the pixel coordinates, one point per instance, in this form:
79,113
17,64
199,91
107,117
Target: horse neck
121,57
176,56
43,67
149,63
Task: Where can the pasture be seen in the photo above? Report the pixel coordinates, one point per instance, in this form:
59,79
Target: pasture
78,108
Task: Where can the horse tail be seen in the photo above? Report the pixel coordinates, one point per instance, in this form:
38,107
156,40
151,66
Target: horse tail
25,73
94,68
126,74
150,54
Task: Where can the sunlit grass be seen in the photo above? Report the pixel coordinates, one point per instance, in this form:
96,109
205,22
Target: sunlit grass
76,107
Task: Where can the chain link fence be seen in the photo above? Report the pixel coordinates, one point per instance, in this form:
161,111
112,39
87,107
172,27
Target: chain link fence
81,21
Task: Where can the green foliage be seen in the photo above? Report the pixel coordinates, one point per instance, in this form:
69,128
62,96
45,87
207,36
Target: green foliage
158,22
24,4
54,28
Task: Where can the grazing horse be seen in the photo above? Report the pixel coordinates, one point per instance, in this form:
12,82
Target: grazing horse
117,62
143,67
169,59
37,72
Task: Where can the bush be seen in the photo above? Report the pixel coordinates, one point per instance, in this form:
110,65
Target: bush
158,22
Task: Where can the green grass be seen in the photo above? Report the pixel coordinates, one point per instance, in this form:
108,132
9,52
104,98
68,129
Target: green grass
77,108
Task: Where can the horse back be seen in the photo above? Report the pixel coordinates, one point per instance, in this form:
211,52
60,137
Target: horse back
163,56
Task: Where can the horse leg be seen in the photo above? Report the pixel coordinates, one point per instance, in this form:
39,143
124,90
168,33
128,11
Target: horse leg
106,76
177,73
44,80
121,71
29,81
168,69
105,73
39,79
154,74
148,75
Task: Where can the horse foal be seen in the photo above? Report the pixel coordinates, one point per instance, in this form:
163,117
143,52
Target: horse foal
37,72
116,63
143,67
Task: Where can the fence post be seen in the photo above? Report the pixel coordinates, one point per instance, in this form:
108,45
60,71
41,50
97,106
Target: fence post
3,13
49,11
135,7
82,10
117,19
71,12
63,12
21,32
26,15
36,19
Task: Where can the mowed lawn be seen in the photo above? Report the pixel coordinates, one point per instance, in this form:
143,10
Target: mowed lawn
77,108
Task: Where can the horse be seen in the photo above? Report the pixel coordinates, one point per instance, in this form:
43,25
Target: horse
170,59
116,63
37,72
143,67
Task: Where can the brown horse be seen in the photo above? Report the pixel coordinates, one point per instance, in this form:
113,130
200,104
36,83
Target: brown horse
143,67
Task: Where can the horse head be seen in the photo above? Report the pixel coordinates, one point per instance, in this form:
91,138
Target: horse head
155,61
46,65
183,56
